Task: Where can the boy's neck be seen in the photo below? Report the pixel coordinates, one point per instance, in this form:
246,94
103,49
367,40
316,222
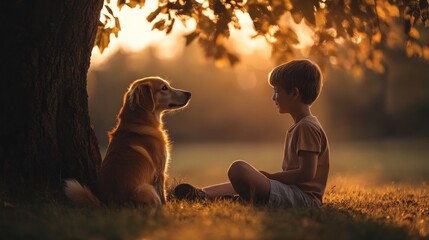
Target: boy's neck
301,112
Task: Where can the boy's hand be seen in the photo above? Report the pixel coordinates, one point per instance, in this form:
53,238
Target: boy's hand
265,174
305,172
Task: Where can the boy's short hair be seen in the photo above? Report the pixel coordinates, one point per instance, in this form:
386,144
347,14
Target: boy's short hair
304,75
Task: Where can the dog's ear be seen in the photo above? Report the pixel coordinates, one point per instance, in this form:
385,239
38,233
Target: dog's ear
141,95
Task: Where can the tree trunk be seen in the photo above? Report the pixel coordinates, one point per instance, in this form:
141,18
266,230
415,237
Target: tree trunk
46,135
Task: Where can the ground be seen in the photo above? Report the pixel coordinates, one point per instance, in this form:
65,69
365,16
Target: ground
357,205
350,211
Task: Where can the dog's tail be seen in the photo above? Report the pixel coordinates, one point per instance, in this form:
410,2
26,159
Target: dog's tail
146,194
80,194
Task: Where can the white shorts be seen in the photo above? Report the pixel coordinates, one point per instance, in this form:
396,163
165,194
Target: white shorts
290,196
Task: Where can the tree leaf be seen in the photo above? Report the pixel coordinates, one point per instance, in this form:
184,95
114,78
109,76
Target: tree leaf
320,19
142,3
258,11
120,4
376,38
219,39
115,31
170,26
109,9
233,59
309,14
306,8
219,8
191,37
297,16
117,23
221,60
426,53
392,10
292,37
104,40
135,3
414,33
414,49
160,25
132,3
106,16
153,14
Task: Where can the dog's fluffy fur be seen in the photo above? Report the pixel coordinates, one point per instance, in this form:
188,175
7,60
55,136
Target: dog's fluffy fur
134,168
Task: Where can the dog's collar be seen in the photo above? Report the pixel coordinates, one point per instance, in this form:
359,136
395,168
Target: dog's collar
143,130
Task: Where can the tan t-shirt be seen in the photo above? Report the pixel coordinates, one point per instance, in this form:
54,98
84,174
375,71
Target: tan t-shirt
308,135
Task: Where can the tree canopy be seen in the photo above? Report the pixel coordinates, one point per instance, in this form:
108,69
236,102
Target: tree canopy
349,33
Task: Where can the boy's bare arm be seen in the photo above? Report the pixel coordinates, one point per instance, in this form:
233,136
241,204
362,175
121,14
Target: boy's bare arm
305,172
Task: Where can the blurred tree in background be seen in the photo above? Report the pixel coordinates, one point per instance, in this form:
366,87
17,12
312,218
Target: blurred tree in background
235,105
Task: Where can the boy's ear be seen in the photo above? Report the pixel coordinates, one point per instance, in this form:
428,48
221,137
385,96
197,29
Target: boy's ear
295,92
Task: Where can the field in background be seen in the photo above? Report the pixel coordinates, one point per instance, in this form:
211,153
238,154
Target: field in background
374,162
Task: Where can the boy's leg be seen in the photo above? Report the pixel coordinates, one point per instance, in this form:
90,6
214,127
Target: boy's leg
219,190
248,182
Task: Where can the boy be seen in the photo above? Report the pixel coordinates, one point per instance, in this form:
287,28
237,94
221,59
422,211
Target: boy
302,181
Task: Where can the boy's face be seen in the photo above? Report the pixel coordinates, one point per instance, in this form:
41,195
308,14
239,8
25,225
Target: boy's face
283,100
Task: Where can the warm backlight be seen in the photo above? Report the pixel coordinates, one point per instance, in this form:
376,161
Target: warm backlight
136,34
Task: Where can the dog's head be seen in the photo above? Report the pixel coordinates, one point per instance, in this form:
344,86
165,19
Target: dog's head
155,95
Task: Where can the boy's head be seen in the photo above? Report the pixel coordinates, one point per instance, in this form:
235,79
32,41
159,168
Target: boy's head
303,75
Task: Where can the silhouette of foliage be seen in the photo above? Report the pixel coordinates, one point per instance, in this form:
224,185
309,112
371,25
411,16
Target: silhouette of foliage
349,33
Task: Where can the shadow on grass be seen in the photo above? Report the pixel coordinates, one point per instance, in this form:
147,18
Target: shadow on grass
329,223
59,221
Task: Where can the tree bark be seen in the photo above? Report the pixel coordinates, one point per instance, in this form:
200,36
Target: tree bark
46,135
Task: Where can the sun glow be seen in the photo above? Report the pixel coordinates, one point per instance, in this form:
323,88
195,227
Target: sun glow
136,34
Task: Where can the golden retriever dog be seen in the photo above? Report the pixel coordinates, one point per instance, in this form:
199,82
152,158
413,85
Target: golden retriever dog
134,168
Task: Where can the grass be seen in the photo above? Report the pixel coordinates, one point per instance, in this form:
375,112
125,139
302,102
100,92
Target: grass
359,204
351,211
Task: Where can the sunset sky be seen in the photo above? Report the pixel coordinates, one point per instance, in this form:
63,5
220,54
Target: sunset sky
136,34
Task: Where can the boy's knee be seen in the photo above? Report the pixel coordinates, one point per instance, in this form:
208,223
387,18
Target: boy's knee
237,169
